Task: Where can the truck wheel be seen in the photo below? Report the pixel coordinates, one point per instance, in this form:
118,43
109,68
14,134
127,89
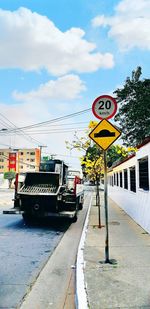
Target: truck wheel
80,206
74,219
28,219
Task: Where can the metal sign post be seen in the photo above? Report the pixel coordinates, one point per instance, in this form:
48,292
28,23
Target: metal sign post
104,135
106,209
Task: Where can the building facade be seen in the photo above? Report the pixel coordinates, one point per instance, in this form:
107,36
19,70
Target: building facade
129,186
19,160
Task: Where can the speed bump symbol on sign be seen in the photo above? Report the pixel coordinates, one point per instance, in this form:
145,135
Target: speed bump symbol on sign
104,134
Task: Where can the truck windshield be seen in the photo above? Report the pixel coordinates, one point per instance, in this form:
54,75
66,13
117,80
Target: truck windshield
47,167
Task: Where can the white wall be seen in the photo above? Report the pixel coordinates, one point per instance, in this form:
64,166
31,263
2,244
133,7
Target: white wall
136,204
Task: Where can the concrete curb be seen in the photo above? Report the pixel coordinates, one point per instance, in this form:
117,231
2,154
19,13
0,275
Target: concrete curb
81,294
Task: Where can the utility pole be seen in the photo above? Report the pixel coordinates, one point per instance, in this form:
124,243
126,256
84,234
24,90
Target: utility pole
41,146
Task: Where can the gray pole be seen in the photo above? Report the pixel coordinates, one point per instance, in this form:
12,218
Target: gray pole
40,146
106,209
98,203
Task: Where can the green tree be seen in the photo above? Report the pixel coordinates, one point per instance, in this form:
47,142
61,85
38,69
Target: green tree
92,152
92,164
10,176
92,161
134,109
117,153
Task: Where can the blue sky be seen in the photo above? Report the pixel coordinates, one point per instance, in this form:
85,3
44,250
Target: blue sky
56,57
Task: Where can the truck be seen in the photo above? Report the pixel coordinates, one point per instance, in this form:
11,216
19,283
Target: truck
51,192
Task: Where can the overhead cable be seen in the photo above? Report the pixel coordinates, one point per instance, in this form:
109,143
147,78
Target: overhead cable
51,121
9,129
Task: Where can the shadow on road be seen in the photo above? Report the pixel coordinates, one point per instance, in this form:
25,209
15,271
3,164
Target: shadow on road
47,224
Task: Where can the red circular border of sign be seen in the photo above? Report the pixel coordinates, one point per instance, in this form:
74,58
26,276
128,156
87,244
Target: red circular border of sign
101,97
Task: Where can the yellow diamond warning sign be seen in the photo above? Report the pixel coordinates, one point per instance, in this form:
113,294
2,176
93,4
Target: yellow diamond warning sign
104,134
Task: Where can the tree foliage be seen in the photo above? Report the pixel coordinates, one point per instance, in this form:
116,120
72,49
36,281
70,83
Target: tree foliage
117,153
93,168
92,160
134,109
10,176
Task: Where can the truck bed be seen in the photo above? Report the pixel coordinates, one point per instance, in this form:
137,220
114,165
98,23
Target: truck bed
38,188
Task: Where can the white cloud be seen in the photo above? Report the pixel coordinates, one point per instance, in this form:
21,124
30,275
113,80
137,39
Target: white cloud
31,42
64,88
130,24
26,113
99,21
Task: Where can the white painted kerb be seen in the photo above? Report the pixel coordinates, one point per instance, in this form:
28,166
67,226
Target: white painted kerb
81,295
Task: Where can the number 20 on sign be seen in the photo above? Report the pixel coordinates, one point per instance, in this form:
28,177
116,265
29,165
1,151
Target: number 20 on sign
104,107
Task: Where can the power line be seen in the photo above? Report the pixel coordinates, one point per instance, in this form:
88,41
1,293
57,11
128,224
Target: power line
5,145
21,131
55,126
34,166
21,162
69,124
53,131
59,155
51,121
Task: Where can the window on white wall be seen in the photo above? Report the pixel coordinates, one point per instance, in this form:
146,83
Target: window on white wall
114,179
117,180
126,179
132,179
143,174
121,179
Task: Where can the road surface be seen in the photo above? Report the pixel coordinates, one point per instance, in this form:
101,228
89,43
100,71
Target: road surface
28,252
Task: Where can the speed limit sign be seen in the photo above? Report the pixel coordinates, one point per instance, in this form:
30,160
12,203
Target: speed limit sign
104,107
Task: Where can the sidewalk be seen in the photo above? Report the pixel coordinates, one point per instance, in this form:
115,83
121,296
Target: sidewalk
125,284
6,197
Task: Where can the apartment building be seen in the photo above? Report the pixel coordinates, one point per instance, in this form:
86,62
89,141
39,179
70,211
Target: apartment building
19,160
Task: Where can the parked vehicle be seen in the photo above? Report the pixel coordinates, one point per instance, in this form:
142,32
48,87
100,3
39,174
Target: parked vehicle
49,193
75,186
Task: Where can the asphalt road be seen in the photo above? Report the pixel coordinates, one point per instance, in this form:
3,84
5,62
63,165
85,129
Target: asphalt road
55,287
24,252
